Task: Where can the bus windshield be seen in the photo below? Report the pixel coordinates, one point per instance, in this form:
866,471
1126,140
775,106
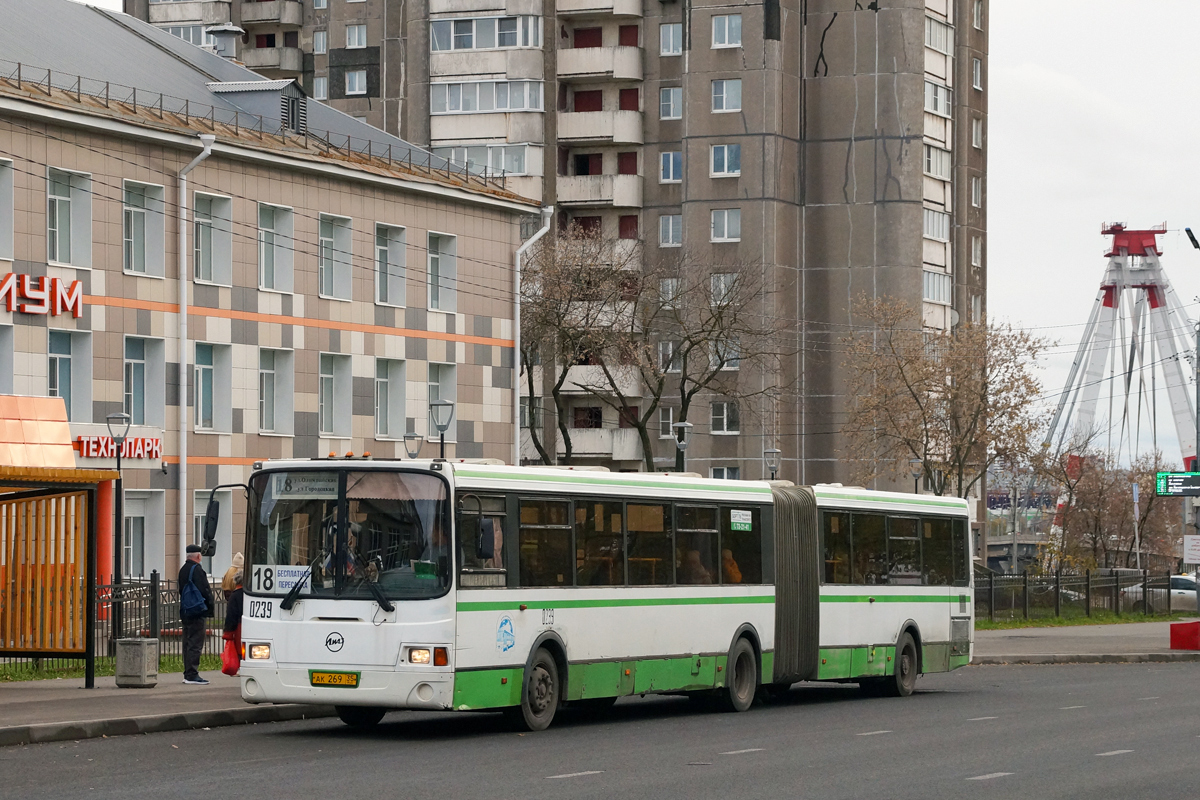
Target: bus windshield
339,530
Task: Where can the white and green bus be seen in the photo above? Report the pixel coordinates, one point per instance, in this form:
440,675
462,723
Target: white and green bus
379,585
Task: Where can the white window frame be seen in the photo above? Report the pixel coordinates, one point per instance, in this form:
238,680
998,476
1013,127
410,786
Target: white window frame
133,383
275,246
936,225
526,33
977,13
670,230
78,372
356,36
391,259
7,208
334,257
976,251
266,390
334,396
320,87
936,287
939,36
212,229
358,89
282,401
666,422
723,223
668,356
668,291
938,99
670,102
725,27
143,227
721,418
977,133
221,380
442,271
725,171
938,162
78,205
7,359
670,166
976,191
720,284
670,39
495,157
726,473
320,42
472,97
390,387
977,74
442,384
320,4
724,92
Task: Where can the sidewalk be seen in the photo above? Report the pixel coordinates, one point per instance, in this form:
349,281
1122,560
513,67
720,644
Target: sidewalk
1080,644
58,710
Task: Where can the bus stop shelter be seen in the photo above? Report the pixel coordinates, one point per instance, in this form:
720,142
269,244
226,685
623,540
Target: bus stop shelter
48,525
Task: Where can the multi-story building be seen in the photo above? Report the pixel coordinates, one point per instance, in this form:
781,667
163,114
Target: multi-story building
333,288
837,146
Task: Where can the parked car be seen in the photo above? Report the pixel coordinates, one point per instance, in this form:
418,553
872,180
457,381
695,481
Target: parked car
1183,595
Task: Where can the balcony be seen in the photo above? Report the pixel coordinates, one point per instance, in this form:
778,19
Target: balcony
193,12
595,8
628,380
583,64
273,12
279,59
618,127
619,191
620,444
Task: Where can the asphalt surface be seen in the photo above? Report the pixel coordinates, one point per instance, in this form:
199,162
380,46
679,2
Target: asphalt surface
1132,637
1075,731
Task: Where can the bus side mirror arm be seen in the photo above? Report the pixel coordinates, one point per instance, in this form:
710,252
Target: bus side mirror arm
212,517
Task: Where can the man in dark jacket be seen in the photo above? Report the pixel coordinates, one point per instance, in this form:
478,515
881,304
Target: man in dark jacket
194,624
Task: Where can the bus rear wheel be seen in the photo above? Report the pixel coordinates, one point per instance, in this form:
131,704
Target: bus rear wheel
540,694
360,717
741,679
904,679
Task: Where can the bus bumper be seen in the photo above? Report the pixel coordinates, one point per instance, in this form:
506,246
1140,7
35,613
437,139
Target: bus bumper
427,689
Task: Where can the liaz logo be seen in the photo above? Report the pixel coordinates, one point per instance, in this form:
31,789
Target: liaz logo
334,642
505,637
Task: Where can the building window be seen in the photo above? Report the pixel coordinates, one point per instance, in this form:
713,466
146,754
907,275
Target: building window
668,291
976,309
485,97
60,368
320,88
212,240
443,386
69,218
192,34
937,162
937,99
320,43
135,380
134,546
670,230
442,272
334,256
666,418
670,102
977,133
937,225
668,356
936,287
977,73
531,412
275,379
485,34
274,248
670,39
727,30
726,160
389,265
319,4
727,473
726,354
356,37
334,395
587,417
977,192
205,380
356,81
939,36
725,417
264,41
726,225
721,286
494,159
976,251
389,399
671,167
143,224
7,209
726,95
627,226
978,15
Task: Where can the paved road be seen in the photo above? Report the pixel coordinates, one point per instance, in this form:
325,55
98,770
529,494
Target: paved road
1080,731
1133,637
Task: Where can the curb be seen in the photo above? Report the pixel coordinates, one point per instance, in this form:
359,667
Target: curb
158,723
1119,658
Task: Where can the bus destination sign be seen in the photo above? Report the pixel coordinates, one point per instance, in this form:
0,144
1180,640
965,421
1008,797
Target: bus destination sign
1177,484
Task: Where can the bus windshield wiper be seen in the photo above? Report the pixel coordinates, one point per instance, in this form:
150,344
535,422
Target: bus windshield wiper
376,592
289,599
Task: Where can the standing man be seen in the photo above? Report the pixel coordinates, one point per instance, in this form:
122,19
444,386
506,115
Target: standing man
195,606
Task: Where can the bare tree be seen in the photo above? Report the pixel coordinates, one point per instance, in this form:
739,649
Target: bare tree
955,401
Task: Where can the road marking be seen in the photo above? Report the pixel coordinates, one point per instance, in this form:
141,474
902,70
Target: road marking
1113,753
574,774
989,776
980,719
1068,708
1149,698
739,752
871,733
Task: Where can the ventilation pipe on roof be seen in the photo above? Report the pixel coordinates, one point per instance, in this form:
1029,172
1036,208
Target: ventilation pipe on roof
225,39
206,142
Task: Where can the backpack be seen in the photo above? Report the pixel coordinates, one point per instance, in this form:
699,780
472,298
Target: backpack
191,602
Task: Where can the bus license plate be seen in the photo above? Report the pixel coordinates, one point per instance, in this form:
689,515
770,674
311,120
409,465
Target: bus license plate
346,679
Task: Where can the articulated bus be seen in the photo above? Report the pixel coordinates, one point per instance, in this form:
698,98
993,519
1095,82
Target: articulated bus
379,585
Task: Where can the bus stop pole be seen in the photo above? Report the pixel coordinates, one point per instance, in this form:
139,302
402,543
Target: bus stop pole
89,680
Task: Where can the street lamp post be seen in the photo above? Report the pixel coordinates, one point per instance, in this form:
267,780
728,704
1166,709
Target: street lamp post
683,431
118,430
412,444
1196,459
771,459
441,412
915,468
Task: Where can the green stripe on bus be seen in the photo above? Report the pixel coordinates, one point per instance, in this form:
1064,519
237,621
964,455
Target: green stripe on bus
515,605
925,500
577,478
887,598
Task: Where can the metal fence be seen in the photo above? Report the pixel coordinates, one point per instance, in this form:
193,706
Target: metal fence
136,609
1005,597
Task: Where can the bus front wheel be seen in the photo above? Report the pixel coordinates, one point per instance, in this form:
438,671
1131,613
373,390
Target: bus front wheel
360,716
540,694
741,679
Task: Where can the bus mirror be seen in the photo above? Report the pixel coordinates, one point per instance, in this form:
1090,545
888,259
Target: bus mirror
212,515
485,546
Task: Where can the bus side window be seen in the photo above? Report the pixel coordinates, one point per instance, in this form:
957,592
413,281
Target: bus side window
868,533
475,528
599,548
741,545
938,541
545,543
837,547
962,553
904,552
651,562
696,546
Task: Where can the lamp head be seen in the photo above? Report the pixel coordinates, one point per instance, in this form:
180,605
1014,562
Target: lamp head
412,444
771,457
916,467
118,427
441,412
683,431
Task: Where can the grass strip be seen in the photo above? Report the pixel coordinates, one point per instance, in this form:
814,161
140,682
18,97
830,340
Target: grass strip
1097,618
39,670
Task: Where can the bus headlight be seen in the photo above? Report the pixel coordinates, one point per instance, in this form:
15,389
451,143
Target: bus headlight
260,651
416,656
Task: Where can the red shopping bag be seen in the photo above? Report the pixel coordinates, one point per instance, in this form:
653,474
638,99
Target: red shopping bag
230,658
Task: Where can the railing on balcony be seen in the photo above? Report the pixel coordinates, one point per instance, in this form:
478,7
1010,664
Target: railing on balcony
284,59
600,63
624,191
618,127
276,12
580,8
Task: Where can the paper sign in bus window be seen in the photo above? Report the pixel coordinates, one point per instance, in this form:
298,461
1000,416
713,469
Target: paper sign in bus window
740,520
